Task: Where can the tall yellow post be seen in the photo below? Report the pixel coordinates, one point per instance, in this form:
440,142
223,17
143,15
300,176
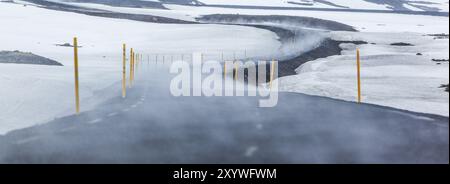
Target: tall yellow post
131,67
272,70
124,72
358,63
77,93
133,70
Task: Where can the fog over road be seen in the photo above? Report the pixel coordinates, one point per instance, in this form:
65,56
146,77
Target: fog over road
151,126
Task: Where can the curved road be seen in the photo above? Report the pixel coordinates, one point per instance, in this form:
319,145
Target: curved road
151,126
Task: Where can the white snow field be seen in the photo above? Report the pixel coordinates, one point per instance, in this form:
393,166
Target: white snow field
354,4
393,76
362,21
33,94
339,4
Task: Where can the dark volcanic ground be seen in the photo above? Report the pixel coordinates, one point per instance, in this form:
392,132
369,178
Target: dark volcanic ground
17,57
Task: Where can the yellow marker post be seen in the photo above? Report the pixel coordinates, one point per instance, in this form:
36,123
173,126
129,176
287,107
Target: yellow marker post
124,72
224,67
131,67
77,93
272,70
358,63
134,66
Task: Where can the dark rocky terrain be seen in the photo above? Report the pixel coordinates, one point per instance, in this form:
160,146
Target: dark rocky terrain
294,34
445,87
401,44
327,48
109,14
308,22
124,3
18,57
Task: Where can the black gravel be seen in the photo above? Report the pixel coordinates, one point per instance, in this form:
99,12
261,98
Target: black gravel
280,19
401,44
103,13
445,87
17,57
327,48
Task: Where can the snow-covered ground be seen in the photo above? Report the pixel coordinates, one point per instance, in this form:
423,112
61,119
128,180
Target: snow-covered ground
362,21
367,22
403,5
33,94
393,76
425,5
354,4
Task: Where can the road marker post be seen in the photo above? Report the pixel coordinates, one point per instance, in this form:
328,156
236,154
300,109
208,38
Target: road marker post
224,67
124,71
131,68
134,66
77,93
358,65
272,70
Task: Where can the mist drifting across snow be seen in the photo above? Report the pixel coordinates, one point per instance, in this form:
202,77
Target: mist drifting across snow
297,34
166,129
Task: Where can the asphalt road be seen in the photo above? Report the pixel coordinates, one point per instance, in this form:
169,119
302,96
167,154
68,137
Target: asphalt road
151,126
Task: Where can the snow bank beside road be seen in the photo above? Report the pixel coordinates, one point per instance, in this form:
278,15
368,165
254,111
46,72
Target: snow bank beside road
35,94
392,76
